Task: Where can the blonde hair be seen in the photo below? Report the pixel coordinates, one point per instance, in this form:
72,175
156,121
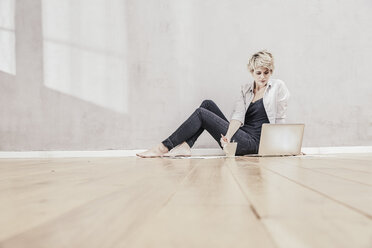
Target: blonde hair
261,59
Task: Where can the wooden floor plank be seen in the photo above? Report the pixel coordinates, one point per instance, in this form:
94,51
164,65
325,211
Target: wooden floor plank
352,194
349,169
360,165
347,174
238,202
208,210
203,226
46,198
296,216
99,223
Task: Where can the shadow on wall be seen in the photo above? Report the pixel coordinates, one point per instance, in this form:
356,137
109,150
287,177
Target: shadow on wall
7,37
84,45
71,78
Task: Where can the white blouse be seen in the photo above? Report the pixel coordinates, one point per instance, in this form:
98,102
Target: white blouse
275,101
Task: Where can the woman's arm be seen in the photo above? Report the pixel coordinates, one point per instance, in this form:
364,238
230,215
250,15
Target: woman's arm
237,118
239,108
282,103
233,127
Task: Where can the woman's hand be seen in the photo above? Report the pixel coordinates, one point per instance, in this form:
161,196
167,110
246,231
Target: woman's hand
224,140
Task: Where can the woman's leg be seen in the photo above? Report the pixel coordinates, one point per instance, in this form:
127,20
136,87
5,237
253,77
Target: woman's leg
192,128
246,143
215,125
177,138
208,117
199,120
211,106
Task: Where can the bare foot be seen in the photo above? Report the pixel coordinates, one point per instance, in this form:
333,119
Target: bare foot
182,150
155,152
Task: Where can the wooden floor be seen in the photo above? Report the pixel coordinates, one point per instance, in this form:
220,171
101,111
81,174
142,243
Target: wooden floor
309,201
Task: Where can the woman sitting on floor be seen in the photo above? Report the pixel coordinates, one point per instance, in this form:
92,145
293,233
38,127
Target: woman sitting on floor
262,101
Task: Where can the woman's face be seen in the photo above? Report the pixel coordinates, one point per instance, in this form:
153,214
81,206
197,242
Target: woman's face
261,75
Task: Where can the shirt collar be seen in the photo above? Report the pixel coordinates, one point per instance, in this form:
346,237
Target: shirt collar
251,85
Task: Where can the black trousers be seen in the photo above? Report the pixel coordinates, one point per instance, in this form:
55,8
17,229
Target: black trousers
209,117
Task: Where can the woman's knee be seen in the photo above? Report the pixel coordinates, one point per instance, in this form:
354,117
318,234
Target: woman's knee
200,110
203,113
206,103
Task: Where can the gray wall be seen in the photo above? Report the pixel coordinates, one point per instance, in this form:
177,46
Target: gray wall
116,74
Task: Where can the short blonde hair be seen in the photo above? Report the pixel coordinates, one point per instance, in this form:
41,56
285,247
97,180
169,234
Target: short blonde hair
261,59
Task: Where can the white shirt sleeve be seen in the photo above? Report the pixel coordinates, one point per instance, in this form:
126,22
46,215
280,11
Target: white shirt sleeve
239,109
281,103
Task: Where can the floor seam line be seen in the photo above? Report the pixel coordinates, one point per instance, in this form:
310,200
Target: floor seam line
177,188
252,207
347,179
323,194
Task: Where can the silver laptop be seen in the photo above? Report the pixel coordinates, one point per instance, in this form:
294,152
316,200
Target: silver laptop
280,140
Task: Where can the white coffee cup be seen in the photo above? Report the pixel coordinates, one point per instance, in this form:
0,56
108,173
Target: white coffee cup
230,149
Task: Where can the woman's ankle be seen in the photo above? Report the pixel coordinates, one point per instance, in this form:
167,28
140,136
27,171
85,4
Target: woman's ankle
186,145
162,148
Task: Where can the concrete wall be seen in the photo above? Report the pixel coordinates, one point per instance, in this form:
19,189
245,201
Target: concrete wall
100,74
